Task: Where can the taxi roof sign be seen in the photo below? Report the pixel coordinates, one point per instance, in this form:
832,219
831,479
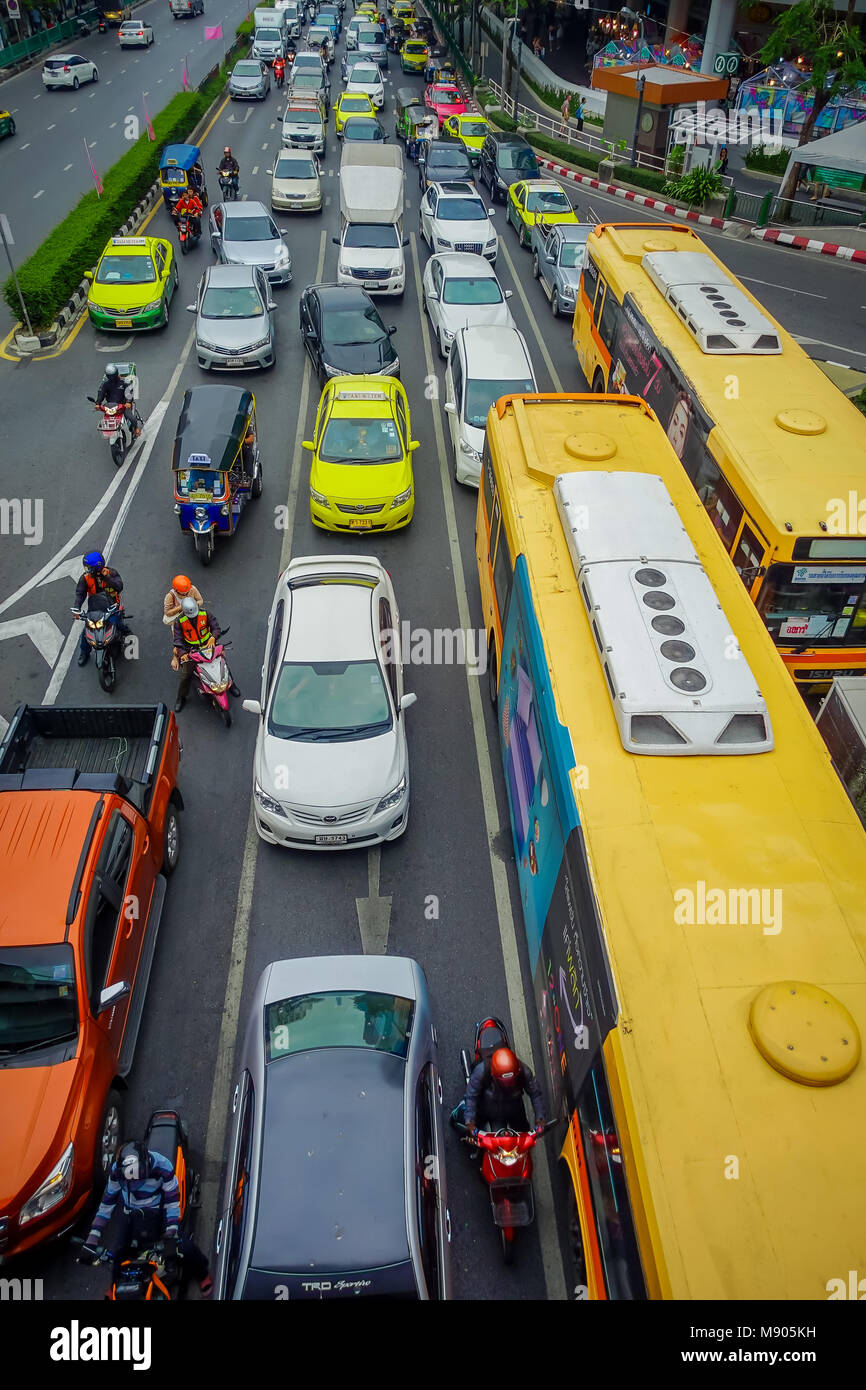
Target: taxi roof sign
361,396
129,241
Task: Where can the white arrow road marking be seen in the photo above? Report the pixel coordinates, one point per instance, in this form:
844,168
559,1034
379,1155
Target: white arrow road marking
374,913
42,631
69,569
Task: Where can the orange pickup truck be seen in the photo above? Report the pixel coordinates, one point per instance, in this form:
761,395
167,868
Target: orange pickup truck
89,830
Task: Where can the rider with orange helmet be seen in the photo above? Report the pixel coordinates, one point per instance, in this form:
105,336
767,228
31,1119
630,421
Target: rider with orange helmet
181,588
494,1096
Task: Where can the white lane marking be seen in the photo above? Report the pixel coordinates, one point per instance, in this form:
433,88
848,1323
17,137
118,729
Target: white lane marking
26,145
72,109
37,96
66,168
265,145
374,911
255,169
818,342
554,1275
91,145
225,1054
113,124
753,280
42,631
152,427
51,127
39,194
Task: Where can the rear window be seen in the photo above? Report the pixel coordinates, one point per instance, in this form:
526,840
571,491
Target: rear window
56,64
347,1018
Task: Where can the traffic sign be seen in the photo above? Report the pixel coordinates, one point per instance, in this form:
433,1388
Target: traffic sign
726,64
13,9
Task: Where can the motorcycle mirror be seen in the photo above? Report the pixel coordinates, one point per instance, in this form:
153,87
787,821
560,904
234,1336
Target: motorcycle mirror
90,398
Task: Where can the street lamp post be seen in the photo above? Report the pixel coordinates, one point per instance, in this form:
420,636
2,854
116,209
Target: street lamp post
633,18
507,38
3,226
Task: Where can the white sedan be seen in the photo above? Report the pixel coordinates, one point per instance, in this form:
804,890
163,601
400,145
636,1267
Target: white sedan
134,33
331,764
68,70
367,78
460,291
455,218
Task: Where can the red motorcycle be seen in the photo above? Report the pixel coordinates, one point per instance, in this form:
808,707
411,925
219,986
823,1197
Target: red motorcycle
506,1154
116,427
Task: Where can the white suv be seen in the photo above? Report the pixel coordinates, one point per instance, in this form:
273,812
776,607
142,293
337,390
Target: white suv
483,364
68,70
454,217
331,765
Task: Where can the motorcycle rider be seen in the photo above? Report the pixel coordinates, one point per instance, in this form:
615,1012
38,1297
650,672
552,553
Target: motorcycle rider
228,162
112,391
142,1202
194,629
181,587
189,205
98,578
279,70
494,1095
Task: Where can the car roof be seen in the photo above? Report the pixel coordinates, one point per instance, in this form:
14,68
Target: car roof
507,137
330,294
331,1191
249,209
229,276
42,834
330,626
454,189
569,231
449,144
460,265
503,348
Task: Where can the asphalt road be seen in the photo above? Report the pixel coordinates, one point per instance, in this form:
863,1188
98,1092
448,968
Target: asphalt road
234,904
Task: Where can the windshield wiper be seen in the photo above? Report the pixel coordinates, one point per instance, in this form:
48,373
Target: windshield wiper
34,1047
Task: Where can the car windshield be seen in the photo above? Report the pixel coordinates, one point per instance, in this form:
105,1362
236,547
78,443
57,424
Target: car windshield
480,396
360,441
302,116
295,169
445,94
473,128
461,210
250,229
370,234
339,1018
355,101
449,159
366,74
38,1003
359,129
469,291
199,483
268,36
308,79
517,157
352,327
307,62
326,701
371,36
247,70
571,256
231,302
126,270
551,200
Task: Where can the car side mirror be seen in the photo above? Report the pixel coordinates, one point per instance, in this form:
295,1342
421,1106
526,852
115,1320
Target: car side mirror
407,701
450,408
490,211
88,274
413,445
190,308
252,707
551,260
109,996
307,444
271,307
508,294
335,240
405,241
270,173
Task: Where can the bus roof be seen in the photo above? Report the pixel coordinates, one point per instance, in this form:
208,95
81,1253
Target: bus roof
744,1182
793,438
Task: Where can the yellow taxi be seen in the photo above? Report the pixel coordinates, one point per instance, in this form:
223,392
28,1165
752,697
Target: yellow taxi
371,11
534,198
361,477
7,124
351,104
470,130
414,55
133,284
404,11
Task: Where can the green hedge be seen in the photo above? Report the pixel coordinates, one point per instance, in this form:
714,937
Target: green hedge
569,154
758,158
653,179
49,277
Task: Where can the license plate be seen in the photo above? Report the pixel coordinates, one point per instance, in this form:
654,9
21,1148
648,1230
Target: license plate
235,361
360,522
332,839
123,323
371,284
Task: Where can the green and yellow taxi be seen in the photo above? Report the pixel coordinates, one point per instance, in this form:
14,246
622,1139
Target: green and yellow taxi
361,478
7,123
403,11
414,55
133,283
370,11
533,198
470,130
351,104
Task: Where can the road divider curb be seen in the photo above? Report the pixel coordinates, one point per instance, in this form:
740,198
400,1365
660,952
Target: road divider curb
802,243
688,214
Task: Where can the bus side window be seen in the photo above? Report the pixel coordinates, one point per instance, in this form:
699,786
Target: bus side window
722,505
748,556
609,319
494,527
502,574
590,277
487,480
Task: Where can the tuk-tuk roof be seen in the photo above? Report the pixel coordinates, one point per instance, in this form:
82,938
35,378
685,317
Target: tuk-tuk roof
406,96
212,425
181,156
419,112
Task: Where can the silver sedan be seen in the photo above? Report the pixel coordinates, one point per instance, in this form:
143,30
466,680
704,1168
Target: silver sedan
234,326
246,234
249,79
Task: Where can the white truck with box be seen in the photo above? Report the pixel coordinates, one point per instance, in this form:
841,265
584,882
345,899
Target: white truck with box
371,239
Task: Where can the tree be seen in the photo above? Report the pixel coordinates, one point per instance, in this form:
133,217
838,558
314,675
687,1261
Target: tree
829,46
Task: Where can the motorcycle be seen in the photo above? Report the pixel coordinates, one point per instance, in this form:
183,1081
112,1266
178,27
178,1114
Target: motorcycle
213,677
102,629
153,1272
228,182
280,73
102,25
506,1153
115,427
188,231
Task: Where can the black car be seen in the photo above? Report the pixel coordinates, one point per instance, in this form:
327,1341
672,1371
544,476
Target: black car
505,159
344,335
442,161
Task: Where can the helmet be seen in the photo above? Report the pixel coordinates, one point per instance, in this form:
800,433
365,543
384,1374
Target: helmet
189,606
94,560
504,1067
181,584
133,1161
111,369
227,150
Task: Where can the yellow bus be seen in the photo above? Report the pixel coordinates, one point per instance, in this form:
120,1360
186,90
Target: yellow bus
776,453
692,873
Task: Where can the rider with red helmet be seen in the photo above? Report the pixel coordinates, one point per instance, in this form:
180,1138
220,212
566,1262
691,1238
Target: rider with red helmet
494,1096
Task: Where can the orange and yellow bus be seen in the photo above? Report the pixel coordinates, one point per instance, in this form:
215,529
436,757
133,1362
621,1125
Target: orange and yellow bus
692,873
776,453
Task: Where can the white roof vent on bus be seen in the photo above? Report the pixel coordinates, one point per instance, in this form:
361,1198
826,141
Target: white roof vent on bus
677,680
718,315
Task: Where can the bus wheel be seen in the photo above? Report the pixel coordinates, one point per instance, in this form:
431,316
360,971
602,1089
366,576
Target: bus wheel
598,384
491,671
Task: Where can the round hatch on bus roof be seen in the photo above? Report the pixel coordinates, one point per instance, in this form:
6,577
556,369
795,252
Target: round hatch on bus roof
797,421
804,1032
659,243
595,448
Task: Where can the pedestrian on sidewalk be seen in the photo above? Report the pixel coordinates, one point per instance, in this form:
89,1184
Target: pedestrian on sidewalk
551,36
578,112
536,47
722,166
560,35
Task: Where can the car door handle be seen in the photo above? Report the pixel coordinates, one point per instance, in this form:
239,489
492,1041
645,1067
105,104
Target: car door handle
219,1237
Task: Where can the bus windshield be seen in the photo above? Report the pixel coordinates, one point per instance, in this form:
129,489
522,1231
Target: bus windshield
819,604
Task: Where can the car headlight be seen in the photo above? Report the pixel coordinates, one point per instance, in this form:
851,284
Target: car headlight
319,498
440,241
282,256
393,797
253,347
266,802
53,1190
211,347
155,304
345,269
333,371
466,448
490,243
401,498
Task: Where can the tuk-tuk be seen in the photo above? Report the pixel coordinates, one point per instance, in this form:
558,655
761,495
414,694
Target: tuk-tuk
180,168
412,118
216,463
423,126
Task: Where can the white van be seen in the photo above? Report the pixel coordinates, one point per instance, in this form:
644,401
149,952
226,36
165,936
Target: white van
371,241
483,364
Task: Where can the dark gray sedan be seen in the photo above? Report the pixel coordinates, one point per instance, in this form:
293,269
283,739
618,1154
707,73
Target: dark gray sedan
234,326
335,1184
249,79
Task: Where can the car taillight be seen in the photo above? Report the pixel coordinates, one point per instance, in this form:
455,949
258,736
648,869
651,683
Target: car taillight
66,67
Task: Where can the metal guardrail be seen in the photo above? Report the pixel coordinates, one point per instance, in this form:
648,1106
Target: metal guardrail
800,213
46,38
